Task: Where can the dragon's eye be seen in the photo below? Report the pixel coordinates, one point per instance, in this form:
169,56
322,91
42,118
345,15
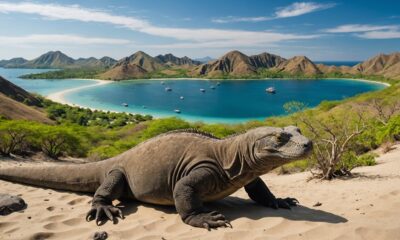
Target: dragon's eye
282,137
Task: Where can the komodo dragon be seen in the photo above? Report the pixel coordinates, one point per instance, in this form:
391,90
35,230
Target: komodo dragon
183,168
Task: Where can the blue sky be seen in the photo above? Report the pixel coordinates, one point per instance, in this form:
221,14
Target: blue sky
321,30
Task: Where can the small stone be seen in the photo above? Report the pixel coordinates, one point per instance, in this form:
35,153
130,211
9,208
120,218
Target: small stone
46,200
100,235
10,204
357,209
371,205
29,217
317,204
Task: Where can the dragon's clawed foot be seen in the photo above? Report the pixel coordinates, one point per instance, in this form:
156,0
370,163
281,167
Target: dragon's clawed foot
208,220
100,211
286,203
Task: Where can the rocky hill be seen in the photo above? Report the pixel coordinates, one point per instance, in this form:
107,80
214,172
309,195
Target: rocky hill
141,64
266,60
387,65
298,65
124,70
14,103
172,60
235,63
52,59
14,92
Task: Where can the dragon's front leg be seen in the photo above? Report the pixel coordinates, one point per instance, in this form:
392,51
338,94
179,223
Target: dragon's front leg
112,188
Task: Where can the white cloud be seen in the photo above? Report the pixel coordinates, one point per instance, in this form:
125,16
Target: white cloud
75,12
301,8
293,10
351,28
368,31
60,39
240,19
380,35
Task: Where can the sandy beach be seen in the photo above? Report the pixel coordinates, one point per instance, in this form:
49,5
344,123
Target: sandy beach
364,207
59,96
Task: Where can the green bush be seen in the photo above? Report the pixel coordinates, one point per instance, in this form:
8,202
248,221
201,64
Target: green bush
351,160
14,137
55,141
390,132
163,125
328,105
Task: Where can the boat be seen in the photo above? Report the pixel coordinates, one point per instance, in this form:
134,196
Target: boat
182,97
270,90
202,90
177,111
162,82
212,87
168,89
144,106
218,83
125,104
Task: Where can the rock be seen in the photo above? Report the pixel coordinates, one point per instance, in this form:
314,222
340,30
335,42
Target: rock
10,204
317,204
100,235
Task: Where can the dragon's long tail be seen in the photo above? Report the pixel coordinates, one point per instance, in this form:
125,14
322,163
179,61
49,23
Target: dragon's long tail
71,177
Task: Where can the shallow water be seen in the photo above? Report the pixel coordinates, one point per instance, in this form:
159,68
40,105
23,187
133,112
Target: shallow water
230,101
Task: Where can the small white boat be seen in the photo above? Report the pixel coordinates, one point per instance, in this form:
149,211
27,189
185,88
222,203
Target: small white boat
202,90
168,89
144,106
212,87
270,90
218,83
125,104
182,97
162,82
177,111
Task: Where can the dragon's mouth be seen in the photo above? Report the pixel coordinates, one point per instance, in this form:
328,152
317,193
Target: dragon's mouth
281,153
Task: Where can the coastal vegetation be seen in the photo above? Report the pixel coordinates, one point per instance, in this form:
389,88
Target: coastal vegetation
65,74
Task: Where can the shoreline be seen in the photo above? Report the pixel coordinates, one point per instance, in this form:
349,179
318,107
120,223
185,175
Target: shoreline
59,97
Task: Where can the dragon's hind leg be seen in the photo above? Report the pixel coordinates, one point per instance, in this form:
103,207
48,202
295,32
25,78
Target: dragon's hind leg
114,186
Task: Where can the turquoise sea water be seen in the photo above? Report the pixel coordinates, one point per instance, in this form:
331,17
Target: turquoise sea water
43,87
230,101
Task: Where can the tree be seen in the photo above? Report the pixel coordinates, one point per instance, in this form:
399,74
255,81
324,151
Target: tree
384,109
13,136
57,140
331,136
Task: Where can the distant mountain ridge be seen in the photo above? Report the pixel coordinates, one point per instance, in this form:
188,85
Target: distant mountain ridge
233,64
57,59
13,62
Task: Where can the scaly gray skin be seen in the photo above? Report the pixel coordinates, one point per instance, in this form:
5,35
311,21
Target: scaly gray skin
181,168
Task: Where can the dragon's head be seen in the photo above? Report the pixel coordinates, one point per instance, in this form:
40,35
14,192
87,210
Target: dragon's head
285,144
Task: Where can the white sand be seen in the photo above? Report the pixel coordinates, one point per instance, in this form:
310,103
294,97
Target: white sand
60,96
365,207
